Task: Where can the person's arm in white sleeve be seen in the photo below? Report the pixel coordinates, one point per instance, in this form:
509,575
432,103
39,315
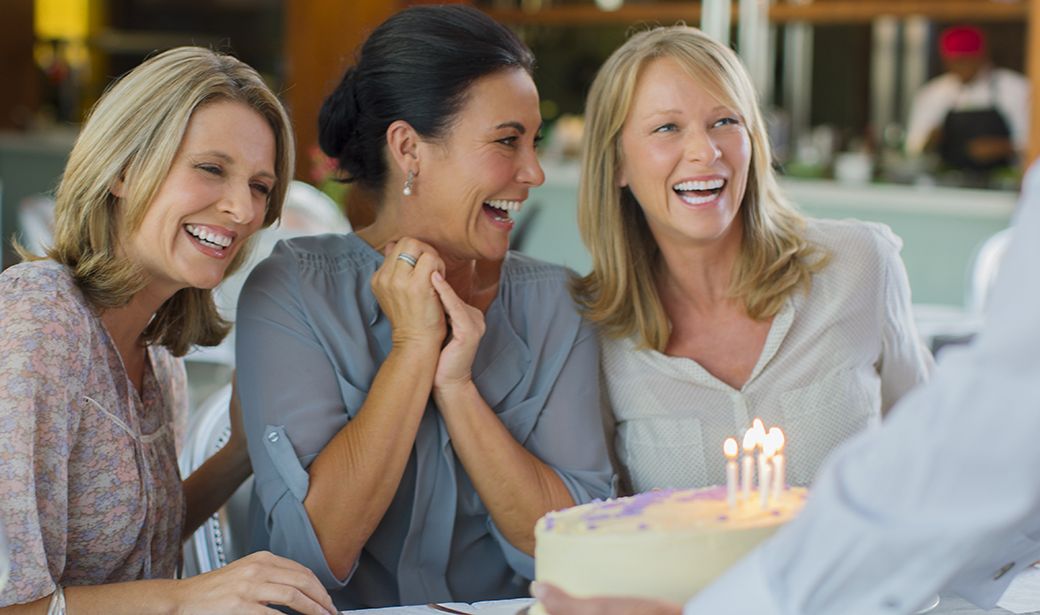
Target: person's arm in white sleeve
905,362
1013,101
929,108
945,494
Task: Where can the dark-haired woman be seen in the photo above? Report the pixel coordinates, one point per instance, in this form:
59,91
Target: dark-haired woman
415,395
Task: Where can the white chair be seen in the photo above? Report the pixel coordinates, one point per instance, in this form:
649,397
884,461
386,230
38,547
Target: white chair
984,269
36,223
223,537
942,325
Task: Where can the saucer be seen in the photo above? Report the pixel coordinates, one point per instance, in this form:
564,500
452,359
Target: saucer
932,603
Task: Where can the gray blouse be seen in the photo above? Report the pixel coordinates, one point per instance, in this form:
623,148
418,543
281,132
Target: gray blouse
310,340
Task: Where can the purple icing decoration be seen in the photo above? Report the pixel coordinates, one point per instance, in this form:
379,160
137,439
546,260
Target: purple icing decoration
710,494
723,518
643,526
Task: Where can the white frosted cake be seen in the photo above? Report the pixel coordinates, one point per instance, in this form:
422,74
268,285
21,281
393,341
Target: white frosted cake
661,544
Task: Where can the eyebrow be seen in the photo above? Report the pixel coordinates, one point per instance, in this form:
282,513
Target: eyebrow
717,109
230,160
517,126
662,112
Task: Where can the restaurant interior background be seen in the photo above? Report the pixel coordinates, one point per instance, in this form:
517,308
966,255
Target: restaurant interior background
836,78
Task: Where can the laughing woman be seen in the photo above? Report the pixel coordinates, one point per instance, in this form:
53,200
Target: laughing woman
179,163
415,395
718,301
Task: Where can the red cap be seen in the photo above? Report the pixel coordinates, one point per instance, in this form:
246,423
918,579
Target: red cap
962,41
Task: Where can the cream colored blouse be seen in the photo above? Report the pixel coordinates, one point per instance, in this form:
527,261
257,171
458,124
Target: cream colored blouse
834,361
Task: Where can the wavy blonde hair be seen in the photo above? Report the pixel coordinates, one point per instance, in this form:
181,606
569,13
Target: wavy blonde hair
133,133
620,294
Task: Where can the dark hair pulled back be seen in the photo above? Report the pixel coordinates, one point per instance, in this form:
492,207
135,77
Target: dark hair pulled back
417,66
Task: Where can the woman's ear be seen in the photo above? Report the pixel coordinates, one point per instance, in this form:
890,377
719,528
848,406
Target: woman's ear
402,142
118,188
622,178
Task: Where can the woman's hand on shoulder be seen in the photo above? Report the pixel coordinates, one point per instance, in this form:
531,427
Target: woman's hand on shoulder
406,295
455,366
250,584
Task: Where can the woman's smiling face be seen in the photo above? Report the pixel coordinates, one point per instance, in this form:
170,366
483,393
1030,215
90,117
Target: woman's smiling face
214,197
471,180
685,157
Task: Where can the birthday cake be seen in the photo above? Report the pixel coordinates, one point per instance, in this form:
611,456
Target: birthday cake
661,544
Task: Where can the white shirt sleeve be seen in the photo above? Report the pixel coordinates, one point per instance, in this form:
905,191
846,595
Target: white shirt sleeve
945,495
930,106
1013,102
905,361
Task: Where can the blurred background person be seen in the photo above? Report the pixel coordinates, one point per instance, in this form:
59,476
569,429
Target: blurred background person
975,115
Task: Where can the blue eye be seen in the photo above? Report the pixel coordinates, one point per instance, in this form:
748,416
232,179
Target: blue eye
263,189
728,121
212,169
666,128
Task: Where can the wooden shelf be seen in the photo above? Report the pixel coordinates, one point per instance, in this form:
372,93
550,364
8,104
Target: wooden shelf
865,11
589,15
835,11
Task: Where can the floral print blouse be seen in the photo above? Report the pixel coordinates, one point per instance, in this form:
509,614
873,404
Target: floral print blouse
90,492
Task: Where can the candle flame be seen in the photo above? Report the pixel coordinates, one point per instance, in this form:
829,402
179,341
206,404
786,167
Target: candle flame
776,439
760,432
729,447
750,440
768,448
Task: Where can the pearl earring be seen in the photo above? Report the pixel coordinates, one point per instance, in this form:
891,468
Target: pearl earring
408,184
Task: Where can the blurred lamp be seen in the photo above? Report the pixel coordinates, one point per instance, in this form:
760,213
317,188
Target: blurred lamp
62,19
609,5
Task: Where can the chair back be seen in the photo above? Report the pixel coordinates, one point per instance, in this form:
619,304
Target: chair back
984,269
222,538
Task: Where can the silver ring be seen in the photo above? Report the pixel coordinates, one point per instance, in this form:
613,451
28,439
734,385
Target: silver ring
408,258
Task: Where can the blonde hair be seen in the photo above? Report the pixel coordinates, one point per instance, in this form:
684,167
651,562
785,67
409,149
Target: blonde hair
620,294
134,132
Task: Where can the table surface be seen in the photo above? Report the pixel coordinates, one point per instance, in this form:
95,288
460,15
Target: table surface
955,605
493,607
948,605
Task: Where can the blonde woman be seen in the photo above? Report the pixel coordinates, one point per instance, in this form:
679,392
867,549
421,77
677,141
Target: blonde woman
179,163
718,302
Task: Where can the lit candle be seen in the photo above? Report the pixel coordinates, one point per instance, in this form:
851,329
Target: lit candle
729,448
765,483
748,469
776,438
759,429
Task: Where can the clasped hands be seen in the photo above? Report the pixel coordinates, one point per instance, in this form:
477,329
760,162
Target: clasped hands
422,307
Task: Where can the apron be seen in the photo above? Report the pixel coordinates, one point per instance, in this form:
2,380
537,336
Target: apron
961,127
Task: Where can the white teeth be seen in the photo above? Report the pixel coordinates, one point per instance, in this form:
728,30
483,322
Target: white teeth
221,241
711,184
697,200
505,205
